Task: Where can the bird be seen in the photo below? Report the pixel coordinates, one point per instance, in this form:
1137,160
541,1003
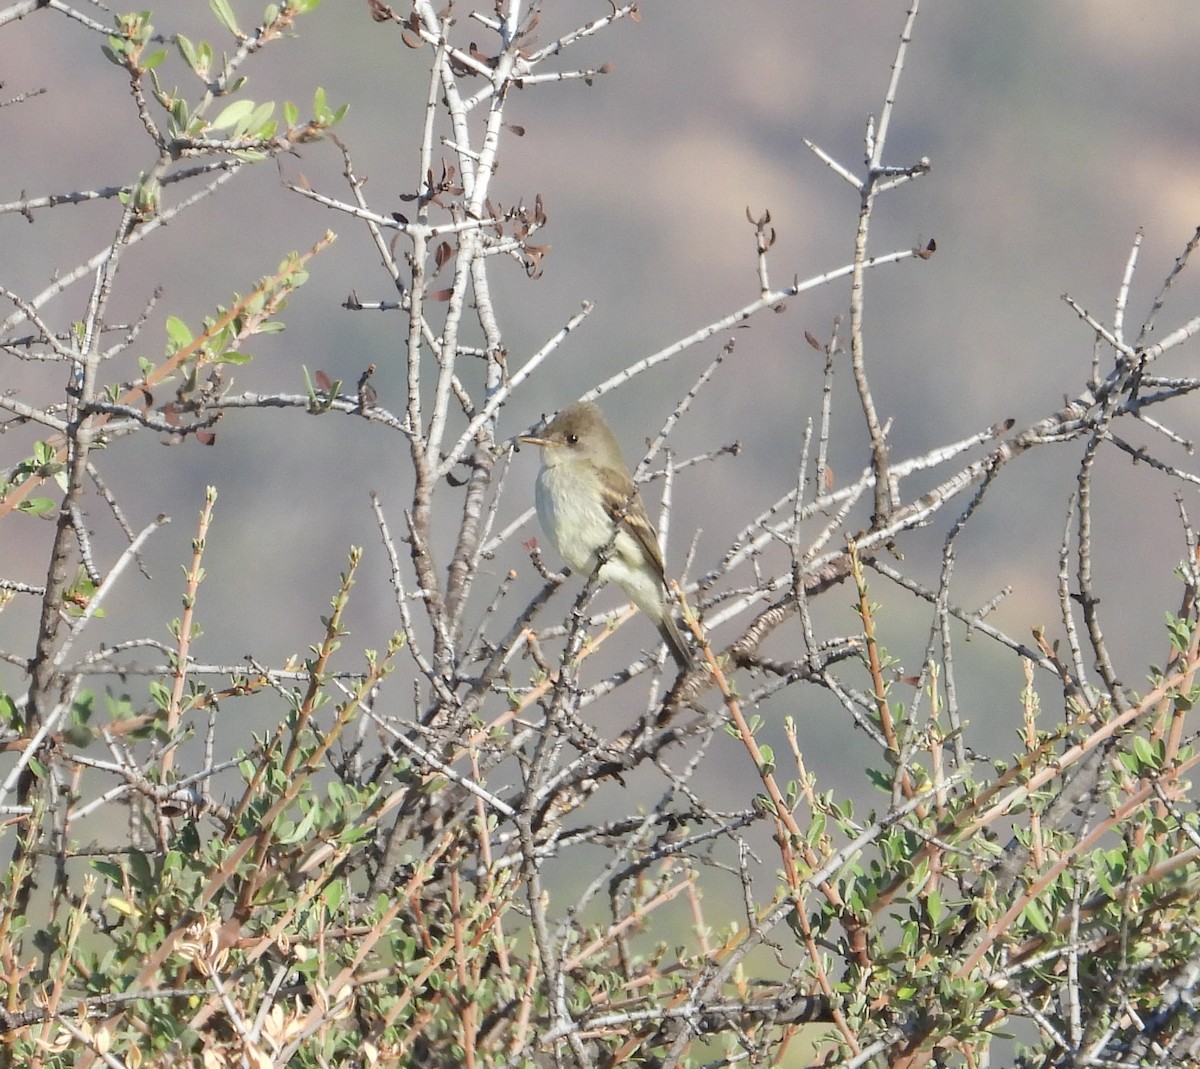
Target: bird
590,508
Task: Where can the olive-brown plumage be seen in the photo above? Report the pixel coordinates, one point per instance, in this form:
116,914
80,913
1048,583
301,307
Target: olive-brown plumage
589,506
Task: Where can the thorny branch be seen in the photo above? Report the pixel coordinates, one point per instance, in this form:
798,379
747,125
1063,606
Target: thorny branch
445,805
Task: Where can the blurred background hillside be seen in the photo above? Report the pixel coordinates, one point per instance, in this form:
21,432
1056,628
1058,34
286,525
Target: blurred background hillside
1054,131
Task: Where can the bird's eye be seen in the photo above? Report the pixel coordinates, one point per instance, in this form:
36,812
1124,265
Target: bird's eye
572,439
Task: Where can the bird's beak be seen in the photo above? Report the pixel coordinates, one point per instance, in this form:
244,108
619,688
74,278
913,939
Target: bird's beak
532,439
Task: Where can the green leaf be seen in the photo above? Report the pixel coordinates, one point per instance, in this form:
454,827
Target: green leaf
206,62
287,831
334,895
1035,915
188,51
108,870
225,14
83,706
1144,751
159,694
234,114
354,834
179,333
140,869
154,59
935,906
881,780
180,117
37,506
9,715
816,828
259,118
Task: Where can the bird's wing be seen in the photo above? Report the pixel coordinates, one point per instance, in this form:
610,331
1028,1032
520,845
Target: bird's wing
624,506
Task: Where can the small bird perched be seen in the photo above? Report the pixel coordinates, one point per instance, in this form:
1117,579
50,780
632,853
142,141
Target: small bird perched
589,506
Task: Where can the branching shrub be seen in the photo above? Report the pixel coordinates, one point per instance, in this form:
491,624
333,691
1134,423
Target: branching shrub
492,839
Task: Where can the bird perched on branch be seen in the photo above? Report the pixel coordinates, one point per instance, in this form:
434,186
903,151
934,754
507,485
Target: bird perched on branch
590,508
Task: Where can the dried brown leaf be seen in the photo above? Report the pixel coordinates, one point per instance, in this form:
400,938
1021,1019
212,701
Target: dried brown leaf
480,57
366,392
441,256
534,254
